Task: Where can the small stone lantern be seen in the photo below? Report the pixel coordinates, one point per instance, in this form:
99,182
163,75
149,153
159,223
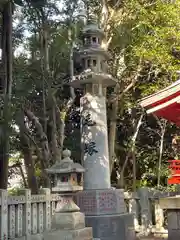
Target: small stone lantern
68,177
67,222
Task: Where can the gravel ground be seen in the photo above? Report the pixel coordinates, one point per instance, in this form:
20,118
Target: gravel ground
151,238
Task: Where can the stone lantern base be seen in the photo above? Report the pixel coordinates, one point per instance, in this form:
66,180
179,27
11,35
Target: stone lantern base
69,226
75,234
105,212
68,223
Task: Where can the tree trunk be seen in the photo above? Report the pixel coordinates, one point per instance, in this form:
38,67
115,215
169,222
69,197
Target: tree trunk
54,143
163,129
133,155
23,177
63,113
121,179
44,144
51,103
130,152
71,62
113,120
134,169
29,163
26,149
112,133
44,71
7,66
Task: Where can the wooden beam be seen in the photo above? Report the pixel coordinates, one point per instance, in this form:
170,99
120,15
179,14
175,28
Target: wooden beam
163,105
162,94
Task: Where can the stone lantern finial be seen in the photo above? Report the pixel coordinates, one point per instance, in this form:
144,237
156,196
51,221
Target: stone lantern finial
92,19
66,154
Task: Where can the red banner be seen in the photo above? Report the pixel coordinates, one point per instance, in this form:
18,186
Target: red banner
174,166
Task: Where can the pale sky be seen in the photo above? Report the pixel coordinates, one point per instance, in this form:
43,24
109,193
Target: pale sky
60,5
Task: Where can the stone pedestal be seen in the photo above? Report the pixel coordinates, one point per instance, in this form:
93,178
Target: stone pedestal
105,212
112,227
68,223
173,224
172,205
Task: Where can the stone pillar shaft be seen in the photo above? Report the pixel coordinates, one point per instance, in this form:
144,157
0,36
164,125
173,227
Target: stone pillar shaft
94,142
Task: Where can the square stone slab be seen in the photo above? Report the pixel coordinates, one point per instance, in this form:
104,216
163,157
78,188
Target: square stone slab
112,227
100,202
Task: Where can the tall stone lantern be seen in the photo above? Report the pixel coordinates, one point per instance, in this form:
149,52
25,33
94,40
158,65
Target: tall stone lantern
68,222
94,80
103,206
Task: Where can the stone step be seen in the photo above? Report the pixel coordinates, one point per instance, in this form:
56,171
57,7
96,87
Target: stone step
68,221
78,234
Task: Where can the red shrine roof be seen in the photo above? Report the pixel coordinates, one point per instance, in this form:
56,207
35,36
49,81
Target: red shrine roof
165,103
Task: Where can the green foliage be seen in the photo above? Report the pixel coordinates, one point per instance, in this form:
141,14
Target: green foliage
145,35
15,191
144,43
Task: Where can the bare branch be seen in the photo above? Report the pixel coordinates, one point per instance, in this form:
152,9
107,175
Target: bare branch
133,82
132,146
113,11
40,134
162,124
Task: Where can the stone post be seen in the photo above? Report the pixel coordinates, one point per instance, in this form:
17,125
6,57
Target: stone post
146,216
95,142
27,222
4,215
11,222
47,208
133,208
19,220
159,216
172,206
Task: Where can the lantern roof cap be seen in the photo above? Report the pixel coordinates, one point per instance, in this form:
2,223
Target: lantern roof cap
92,26
66,165
90,77
93,51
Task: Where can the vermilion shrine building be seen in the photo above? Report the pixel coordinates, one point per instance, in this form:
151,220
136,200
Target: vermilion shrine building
166,104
